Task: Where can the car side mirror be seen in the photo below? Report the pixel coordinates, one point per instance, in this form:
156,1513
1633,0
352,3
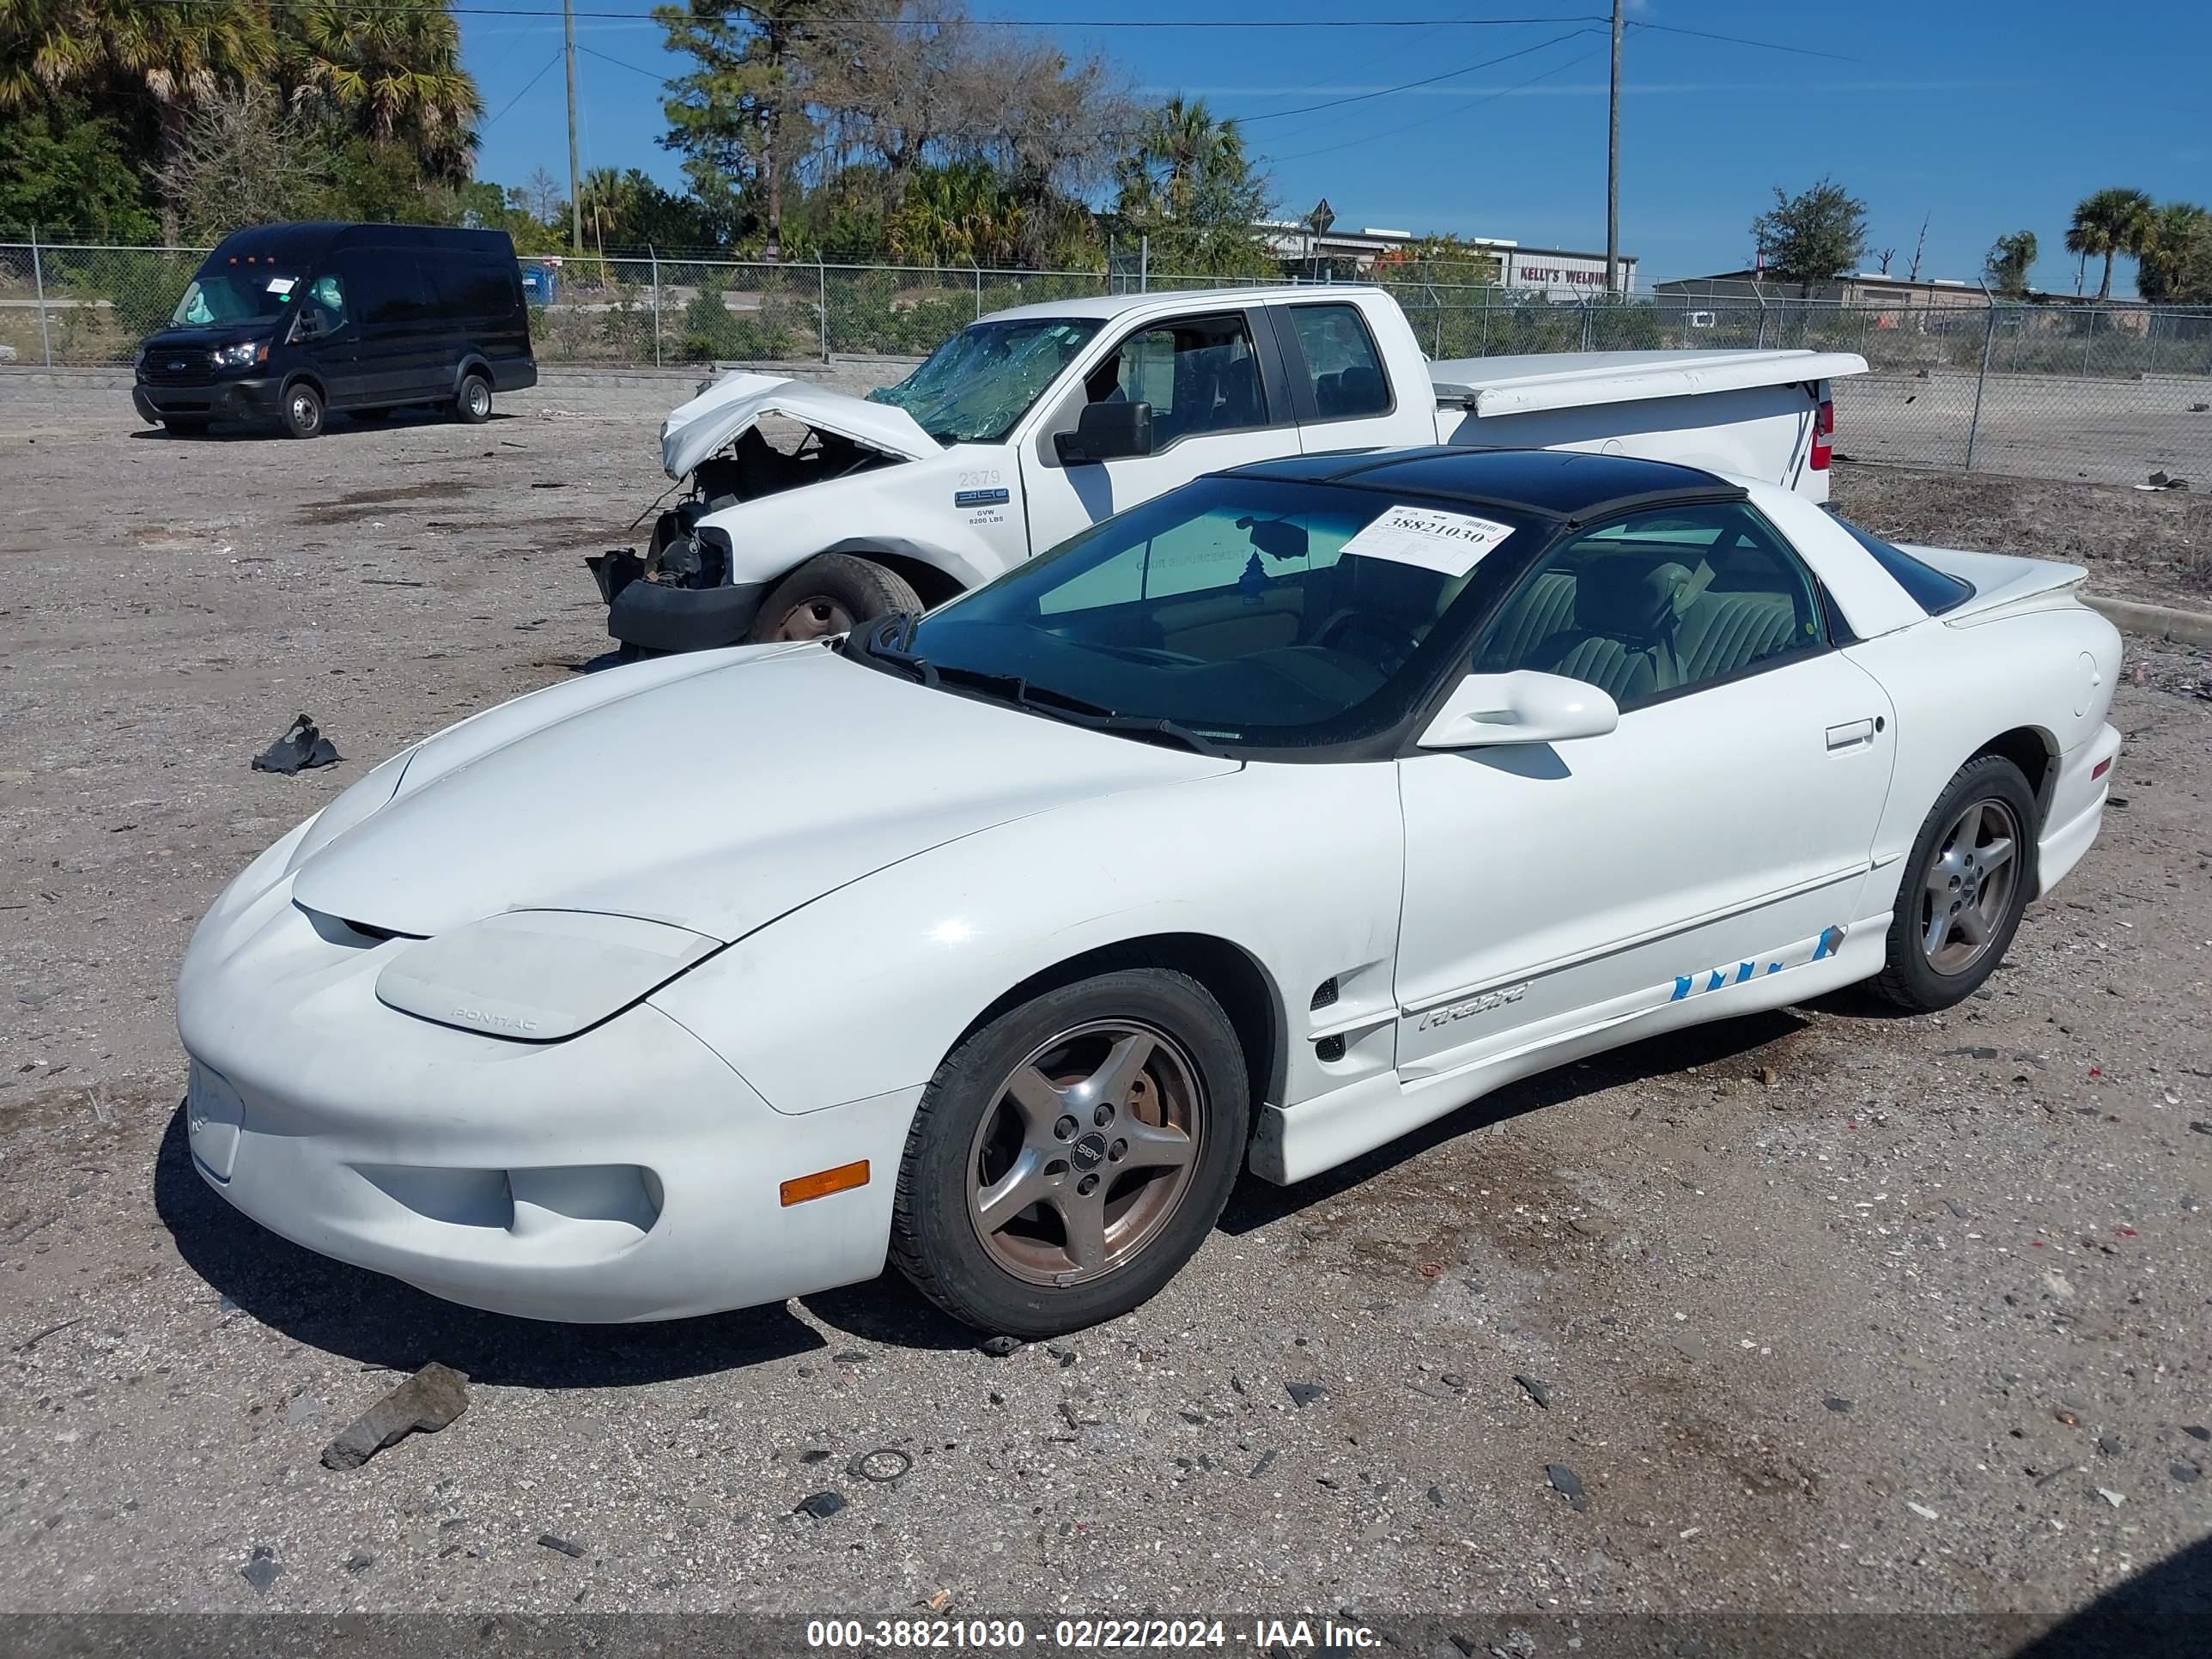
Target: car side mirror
312,325
1486,710
1106,432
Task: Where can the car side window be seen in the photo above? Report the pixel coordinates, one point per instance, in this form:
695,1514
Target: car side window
325,311
1341,363
1199,374
1659,604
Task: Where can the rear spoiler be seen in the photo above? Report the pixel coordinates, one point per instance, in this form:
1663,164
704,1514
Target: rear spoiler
1690,375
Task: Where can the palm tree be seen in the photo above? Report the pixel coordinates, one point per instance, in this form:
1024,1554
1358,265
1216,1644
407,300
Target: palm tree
1180,145
46,48
2176,267
2109,222
392,69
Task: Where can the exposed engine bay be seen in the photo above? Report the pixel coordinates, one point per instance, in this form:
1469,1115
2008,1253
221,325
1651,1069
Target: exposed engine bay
681,552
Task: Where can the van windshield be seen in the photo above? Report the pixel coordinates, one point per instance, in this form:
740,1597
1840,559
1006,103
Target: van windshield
239,295
973,388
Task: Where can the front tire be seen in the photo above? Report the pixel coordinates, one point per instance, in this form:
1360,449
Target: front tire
302,413
831,593
1072,1154
1972,873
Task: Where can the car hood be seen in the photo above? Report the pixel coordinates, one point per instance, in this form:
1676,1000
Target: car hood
715,799
695,430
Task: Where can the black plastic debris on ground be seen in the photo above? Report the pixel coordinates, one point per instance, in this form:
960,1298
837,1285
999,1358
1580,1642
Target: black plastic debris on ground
1564,1482
821,1504
302,747
572,1550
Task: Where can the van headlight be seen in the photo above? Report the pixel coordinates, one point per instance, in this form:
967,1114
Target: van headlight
244,355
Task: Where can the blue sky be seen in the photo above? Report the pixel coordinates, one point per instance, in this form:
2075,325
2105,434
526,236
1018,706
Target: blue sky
1984,118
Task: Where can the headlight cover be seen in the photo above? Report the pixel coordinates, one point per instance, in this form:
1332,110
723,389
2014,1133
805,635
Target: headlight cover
371,793
538,976
244,355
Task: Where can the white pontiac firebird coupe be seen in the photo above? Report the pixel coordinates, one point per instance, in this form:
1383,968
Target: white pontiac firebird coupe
1261,824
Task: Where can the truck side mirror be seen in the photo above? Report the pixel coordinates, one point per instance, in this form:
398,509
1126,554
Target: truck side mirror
1106,432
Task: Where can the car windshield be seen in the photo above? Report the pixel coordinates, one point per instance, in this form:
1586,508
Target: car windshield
1240,611
973,388
240,294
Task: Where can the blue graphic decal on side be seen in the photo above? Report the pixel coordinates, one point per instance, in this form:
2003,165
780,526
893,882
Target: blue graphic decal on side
1802,954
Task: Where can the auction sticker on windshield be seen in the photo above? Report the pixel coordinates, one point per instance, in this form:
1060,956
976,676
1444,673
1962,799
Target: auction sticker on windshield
1450,542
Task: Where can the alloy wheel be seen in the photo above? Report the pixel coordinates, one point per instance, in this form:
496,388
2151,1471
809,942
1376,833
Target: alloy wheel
1086,1152
1968,885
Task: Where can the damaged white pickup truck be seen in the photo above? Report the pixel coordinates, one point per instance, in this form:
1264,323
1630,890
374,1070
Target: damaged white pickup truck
1037,422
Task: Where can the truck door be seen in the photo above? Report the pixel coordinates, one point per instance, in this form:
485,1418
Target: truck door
1339,386
1218,400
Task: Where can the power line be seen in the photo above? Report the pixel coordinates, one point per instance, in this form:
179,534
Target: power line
526,86
1444,114
650,75
1739,41
1407,86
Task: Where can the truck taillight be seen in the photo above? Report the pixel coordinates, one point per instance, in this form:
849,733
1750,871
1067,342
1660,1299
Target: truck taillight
1824,435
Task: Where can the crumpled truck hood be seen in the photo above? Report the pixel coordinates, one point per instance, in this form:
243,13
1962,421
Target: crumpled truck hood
716,801
695,430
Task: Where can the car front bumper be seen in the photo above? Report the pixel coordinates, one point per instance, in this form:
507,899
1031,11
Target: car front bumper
250,399
626,1174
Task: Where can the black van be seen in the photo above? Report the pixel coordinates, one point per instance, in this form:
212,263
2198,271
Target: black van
284,322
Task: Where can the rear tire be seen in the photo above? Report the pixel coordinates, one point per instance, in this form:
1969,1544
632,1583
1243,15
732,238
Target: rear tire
831,593
1117,1106
473,403
302,415
1969,878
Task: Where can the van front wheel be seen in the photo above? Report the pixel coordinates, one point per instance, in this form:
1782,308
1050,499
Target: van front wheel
302,416
472,405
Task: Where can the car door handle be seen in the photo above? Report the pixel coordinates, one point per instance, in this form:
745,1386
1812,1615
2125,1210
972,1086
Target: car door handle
1852,734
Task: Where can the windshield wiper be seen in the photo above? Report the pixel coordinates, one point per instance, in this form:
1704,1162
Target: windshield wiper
1076,711
872,640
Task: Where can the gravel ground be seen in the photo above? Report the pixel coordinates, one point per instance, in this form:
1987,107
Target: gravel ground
1821,1312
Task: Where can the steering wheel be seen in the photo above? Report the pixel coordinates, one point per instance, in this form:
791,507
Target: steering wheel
1389,642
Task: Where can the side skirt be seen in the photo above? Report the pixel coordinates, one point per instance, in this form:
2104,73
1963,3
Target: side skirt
1294,1142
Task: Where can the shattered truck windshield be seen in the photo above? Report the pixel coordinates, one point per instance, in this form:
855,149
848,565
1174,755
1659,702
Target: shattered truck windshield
973,388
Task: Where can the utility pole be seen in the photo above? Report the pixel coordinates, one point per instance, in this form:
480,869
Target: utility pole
1612,165
575,193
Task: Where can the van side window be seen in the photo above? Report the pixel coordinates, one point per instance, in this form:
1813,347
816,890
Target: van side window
327,297
1342,364
388,285
474,287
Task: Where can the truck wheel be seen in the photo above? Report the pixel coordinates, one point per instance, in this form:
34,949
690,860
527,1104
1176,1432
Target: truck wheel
302,414
1072,1154
1968,879
828,595
472,403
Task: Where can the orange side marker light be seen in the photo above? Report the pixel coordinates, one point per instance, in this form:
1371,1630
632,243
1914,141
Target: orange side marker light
822,1182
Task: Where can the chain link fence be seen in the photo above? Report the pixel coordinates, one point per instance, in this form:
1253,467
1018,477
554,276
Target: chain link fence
2111,393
